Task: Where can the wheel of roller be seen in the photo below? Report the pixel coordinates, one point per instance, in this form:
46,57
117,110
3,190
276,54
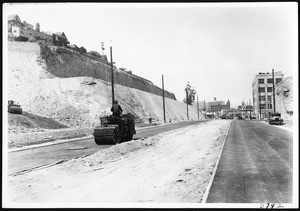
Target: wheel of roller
98,140
116,139
129,137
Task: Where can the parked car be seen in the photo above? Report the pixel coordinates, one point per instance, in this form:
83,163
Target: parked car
275,118
229,117
223,117
240,117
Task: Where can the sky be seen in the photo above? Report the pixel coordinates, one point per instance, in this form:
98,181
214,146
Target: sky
216,47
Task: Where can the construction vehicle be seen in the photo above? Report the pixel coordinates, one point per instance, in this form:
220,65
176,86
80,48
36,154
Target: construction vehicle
114,130
14,108
275,118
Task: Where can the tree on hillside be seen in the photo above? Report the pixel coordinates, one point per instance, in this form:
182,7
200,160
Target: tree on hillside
37,27
190,94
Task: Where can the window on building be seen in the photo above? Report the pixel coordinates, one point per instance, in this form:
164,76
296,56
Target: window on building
262,98
269,106
261,89
263,106
269,99
270,80
278,80
269,89
261,81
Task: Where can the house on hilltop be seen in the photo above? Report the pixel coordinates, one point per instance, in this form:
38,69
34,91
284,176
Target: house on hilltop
73,47
60,39
27,25
23,31
14,20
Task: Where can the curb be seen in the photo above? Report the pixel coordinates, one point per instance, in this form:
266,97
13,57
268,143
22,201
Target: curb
215,170
58,141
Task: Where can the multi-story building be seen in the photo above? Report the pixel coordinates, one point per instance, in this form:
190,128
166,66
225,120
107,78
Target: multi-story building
262,92
218,106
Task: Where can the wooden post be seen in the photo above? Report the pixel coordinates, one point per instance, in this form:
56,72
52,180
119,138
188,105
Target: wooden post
273,91
112,76
163,89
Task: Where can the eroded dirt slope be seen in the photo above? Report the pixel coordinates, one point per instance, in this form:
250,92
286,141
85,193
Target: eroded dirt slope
77,101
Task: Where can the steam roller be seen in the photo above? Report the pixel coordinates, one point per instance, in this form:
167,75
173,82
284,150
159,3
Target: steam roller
114,130
14,108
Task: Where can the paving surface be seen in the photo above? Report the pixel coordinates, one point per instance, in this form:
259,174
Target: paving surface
255,165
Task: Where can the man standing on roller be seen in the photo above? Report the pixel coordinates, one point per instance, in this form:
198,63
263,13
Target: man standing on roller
116,109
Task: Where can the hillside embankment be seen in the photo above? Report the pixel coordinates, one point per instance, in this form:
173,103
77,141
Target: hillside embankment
71,90
284,100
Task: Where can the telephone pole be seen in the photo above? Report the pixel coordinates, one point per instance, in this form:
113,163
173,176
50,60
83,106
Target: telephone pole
102,47
259,102
273,90
197,107
187,105
112,76
163,89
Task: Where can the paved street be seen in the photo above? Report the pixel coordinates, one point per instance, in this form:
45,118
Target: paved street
255,165
36,157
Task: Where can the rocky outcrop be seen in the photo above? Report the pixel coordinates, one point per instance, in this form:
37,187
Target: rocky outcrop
284,98
64,63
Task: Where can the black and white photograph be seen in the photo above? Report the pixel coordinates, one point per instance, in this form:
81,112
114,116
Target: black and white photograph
150,105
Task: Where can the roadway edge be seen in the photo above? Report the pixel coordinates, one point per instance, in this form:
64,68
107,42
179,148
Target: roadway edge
215,169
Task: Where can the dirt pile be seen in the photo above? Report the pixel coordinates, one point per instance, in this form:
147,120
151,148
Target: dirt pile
77,101
27,120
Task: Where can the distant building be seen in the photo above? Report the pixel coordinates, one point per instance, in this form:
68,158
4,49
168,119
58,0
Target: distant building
22,34
73,47
60,39
27,25
262,92
14,20
218,106
23,31
82,50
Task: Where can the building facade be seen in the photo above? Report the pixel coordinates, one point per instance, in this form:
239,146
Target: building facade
60,39
262,92
23,31
218,107
28,34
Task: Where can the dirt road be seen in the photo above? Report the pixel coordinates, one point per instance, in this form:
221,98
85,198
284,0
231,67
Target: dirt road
174,166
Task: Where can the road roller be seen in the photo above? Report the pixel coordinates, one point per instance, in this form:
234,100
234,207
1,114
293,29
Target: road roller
14,108
114,130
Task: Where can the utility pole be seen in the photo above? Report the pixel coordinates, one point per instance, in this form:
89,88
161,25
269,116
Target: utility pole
273,90
163,89
197,107
187,105
102,47
204,110
112,76
259,102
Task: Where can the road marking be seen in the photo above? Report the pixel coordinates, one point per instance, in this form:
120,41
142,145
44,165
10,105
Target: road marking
215,169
